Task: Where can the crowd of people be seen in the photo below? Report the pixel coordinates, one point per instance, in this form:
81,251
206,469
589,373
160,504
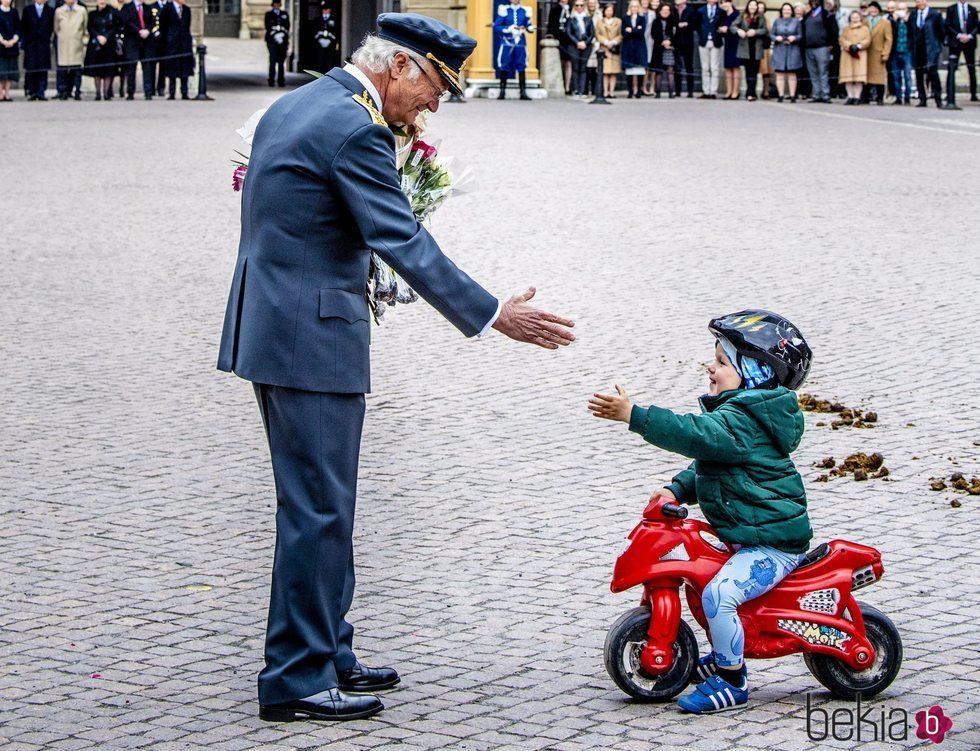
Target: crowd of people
814,52
105,42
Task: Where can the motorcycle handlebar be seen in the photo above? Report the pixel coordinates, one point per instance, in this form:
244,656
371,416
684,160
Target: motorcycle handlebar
675,510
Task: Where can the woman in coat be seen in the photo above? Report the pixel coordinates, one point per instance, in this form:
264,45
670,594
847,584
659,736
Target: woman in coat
732,82
634,54
178,46
650,15
104,26
855,40
879,51
609,35
580,32
664,60
786,35
752,31
765,64
9,48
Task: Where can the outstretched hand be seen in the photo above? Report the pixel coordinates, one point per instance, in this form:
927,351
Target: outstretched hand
525,323
610,407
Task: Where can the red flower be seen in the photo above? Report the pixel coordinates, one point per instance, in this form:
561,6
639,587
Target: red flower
428,152
238,177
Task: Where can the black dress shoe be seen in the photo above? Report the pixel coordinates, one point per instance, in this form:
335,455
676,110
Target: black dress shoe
330,705
359,678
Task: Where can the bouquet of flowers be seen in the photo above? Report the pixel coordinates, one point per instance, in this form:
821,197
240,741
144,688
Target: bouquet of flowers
427,180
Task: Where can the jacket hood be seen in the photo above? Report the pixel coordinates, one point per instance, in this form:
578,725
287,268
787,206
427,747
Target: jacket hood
776,410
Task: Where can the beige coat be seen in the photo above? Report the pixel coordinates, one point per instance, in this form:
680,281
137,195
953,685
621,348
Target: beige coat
610,30
878,52
71,26
854,70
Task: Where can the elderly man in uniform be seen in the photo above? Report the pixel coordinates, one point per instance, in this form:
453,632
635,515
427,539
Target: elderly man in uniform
322,192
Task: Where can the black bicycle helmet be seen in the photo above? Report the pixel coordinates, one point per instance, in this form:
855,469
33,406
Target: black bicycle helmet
769,338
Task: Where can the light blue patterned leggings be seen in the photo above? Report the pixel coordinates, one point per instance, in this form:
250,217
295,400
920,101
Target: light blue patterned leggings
751,572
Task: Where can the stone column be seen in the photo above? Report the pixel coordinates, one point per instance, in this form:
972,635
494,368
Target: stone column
551,74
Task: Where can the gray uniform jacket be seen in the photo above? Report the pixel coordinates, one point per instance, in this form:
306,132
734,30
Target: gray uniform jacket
322,191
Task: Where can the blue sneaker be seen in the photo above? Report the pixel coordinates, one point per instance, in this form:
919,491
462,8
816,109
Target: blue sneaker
716,695
705,668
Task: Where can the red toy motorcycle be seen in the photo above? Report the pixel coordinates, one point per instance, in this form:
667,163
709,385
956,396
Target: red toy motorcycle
651,654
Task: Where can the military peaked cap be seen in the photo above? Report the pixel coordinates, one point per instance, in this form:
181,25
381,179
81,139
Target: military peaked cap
446,48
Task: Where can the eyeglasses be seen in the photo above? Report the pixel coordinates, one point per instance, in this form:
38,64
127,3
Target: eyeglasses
438,92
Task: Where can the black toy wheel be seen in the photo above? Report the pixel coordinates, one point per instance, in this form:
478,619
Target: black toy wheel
624,643
846,683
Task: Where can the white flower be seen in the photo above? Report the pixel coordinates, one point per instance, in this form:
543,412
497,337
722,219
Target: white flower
247,131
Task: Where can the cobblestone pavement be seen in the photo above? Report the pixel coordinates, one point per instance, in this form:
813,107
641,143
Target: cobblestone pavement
137,512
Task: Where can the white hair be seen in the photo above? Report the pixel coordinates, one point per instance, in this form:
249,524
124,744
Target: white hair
378,55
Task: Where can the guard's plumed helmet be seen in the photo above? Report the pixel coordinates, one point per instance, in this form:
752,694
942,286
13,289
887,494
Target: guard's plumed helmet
769,338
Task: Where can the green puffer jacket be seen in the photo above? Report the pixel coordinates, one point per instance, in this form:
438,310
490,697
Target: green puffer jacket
742,476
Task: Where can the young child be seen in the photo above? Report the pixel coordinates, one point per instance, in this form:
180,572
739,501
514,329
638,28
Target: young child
742,477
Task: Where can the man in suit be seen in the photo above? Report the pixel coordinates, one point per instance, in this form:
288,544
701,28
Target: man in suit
687,24
298,326
710,42
819,38
928,31
177,46
277,42
36,28
961,35
141,24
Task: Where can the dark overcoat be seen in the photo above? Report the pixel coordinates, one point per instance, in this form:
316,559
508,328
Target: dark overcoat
177,40
35,35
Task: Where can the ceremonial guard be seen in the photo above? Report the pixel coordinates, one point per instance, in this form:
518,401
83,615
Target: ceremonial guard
327,44
277,40
511,27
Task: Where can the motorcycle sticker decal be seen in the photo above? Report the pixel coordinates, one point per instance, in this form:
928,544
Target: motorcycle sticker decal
814,633
678,553
821,601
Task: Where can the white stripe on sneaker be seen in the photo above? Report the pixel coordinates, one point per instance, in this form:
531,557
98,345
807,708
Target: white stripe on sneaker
714,701
730,697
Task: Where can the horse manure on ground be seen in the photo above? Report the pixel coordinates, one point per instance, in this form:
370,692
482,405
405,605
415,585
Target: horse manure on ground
847,417
860,466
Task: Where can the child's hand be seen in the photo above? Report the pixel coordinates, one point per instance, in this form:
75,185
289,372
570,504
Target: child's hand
651,504
612,407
